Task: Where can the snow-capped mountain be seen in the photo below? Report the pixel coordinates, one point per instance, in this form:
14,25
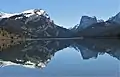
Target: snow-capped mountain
30,15
31,23
26,13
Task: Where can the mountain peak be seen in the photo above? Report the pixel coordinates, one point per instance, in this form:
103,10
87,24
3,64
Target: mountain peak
85,16
118,14
87,21
115,18
26,13
36,12
6,15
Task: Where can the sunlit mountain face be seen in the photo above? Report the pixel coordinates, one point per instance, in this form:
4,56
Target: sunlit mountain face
38,53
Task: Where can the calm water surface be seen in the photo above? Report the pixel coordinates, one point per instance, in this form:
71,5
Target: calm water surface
73,58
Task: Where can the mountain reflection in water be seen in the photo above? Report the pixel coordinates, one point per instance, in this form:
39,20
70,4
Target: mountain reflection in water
37,54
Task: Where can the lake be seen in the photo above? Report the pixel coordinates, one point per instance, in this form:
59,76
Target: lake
62,58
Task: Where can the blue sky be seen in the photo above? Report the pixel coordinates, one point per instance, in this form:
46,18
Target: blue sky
66,13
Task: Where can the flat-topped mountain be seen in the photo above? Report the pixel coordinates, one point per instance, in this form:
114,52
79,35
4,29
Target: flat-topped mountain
91,27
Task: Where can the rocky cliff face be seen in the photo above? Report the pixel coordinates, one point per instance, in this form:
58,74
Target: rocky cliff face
85,22
101,29
107,28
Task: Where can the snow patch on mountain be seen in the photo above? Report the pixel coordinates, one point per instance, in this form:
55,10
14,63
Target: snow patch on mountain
31,12
28,64
27,13
6,15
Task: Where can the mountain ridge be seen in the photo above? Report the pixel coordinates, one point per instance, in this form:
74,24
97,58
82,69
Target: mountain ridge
36,23
101,28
